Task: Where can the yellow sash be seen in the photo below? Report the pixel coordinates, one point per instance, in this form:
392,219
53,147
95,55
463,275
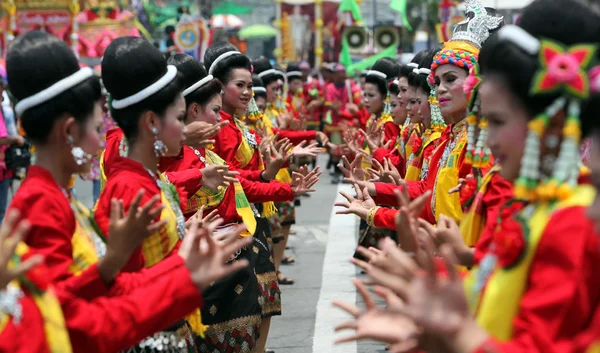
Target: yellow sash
447,178
499,305
57,336
161,243
84,250
214,198
244,155
413,170
473,222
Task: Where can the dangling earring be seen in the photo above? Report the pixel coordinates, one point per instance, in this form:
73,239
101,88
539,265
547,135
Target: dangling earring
160,149
78,154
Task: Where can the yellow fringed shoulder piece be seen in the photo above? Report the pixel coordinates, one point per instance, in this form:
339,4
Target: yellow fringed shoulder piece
57,336
499,305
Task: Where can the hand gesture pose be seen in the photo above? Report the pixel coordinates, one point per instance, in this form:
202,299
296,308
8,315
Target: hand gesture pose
300,151
215,176
201,219
373,136
387,172
461,182
407,220
303,181
322,137
206,259
199,133
360,206
351,144
448,232
355,174
127,232
275,160
298,124
11,234
375,323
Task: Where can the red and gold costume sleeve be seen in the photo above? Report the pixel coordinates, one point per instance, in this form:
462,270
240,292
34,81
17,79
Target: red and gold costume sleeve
114,324
296,137
562,291
106,324
391,132
45,206
264,192
255,191
226,144
128,177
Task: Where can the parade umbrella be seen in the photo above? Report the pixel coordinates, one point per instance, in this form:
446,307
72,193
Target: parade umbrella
226,21
231,8
258,31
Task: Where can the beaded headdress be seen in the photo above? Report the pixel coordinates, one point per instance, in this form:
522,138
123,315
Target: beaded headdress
561,70
462,49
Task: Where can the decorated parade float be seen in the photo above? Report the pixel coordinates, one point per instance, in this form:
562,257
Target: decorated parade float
88,26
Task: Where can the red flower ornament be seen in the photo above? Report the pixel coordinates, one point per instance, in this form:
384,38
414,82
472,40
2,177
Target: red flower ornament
510,238
563,68
417,144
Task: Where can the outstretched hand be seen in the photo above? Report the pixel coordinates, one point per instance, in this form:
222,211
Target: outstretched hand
206,259
215,176
375,323
303,181
13,232
360,206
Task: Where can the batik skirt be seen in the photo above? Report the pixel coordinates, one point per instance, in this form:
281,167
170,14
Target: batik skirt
176,339
265,270
232,311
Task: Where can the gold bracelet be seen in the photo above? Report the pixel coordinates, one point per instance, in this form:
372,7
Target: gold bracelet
371,215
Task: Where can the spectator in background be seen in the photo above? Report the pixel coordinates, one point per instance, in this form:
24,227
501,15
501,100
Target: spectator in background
8,137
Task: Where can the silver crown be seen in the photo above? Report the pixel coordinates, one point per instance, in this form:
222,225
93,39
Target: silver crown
476,26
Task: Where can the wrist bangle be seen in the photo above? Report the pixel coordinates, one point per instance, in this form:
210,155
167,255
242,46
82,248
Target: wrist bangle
262,178
371,215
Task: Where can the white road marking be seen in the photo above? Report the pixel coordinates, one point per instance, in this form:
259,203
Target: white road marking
336,280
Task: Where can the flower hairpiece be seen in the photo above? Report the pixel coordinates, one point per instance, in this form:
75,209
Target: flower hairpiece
563,69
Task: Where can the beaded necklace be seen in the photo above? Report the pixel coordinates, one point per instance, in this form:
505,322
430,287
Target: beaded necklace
86,220
171,194
250,138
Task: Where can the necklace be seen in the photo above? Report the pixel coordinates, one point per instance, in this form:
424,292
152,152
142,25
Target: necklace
246,134
170,193
202,159
88,223
9,302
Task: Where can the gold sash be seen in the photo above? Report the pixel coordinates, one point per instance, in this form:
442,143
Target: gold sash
499,304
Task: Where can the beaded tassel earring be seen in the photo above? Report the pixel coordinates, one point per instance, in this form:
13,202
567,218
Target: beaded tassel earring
254,113
437,120
387,107
482,152
564,176
471,130
529,176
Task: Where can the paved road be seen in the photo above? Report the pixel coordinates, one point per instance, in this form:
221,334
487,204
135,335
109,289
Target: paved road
323,244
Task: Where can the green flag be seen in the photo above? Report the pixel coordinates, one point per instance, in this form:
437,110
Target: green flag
400,6
390,52
352,7
345,57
